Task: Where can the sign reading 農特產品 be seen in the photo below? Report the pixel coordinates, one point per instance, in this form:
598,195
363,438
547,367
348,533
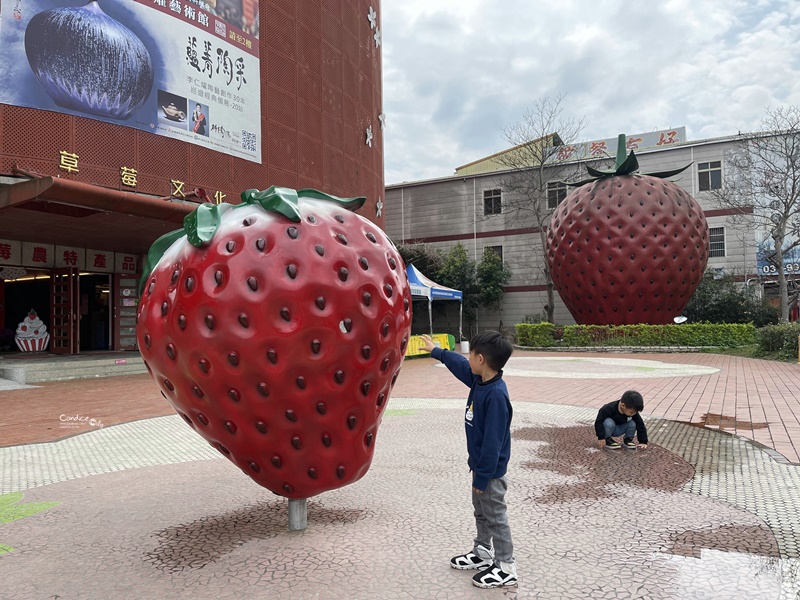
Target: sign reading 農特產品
177,68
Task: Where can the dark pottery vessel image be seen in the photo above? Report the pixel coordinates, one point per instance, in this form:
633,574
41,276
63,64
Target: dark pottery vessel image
88,62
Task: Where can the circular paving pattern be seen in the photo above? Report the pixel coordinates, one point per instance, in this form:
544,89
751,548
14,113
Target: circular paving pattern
599,368
587,523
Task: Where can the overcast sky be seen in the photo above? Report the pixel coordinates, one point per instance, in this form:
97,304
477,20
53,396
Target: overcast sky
456,72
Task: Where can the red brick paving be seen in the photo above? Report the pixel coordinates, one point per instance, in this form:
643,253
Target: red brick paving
33,414
757,399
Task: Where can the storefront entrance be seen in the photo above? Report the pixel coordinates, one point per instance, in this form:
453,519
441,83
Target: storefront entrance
95,313
75,307
19,296
85,245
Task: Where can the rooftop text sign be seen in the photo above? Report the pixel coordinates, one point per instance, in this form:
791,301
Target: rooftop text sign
170,67
608,147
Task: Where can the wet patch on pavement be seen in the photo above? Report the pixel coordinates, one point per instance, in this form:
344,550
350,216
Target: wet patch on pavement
723,422
592,471
754,540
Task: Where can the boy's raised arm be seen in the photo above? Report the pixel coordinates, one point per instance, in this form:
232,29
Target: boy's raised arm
457,364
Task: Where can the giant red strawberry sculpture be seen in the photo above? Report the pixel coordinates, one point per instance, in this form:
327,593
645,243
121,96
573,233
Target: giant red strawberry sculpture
276,328
627,248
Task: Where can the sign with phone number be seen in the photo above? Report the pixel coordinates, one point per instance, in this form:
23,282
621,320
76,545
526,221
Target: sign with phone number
788,268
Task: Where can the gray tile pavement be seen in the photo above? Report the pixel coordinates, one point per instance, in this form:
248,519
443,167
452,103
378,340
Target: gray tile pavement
700,514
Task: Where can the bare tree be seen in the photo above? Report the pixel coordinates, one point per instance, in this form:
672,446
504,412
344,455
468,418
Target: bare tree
762,184
541,154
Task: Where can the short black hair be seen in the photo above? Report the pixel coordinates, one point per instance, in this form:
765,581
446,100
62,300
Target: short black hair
494,348
633,399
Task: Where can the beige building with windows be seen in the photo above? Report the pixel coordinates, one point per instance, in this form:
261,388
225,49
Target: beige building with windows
471,208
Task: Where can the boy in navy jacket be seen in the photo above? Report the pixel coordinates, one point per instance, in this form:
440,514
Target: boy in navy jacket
487,422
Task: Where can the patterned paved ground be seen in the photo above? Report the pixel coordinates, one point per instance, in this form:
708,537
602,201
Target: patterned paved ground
700,514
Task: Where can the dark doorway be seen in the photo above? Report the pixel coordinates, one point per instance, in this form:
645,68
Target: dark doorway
21,296
95,324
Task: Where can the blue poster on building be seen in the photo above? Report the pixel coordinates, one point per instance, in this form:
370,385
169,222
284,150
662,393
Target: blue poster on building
765,251
175,68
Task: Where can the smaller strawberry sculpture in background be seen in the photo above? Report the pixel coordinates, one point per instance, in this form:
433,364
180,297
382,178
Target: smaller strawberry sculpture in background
626,248
276,328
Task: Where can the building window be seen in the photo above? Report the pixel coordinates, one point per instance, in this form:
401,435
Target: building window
716,238
497,250
556,192
492,202
709,175
773,186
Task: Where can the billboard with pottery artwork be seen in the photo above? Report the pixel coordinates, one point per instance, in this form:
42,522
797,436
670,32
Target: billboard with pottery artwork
177,68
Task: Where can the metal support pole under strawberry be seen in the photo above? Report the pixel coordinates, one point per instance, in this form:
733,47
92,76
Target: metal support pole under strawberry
298,514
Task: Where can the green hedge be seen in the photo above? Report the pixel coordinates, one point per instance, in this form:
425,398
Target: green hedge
780,339
686,334
536,334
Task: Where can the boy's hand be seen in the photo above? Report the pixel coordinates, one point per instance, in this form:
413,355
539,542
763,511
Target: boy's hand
428,343
642,446
477,491
601,443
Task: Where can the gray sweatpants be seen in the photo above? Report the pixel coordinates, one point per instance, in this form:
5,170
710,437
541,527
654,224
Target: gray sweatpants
491,520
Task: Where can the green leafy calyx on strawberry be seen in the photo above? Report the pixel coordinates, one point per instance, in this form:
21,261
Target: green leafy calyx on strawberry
200,225
624,166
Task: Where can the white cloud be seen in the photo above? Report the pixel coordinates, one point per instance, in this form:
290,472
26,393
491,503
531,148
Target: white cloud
457,72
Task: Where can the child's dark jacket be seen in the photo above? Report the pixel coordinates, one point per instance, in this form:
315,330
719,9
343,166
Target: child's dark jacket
487,420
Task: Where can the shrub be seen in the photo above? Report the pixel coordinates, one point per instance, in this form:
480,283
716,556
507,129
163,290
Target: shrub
535,335
535,318
722,300
778,339
765,314
694,334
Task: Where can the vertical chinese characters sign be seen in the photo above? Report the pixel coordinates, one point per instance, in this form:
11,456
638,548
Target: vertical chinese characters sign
170,67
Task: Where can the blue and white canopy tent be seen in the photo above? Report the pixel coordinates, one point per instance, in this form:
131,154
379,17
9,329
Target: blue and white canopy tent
422,287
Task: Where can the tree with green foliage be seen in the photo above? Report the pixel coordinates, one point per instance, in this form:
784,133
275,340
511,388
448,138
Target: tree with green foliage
424,257
460,272
761,190
493,276
720,300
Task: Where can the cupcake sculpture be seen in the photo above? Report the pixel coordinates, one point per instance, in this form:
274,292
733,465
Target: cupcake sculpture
32,334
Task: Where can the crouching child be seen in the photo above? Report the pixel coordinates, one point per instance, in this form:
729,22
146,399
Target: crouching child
621,418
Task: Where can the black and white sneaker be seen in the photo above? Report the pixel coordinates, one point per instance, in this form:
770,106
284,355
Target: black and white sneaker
479,558
629,443
499,575
612,444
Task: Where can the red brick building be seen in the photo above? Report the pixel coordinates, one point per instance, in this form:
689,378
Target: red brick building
242,94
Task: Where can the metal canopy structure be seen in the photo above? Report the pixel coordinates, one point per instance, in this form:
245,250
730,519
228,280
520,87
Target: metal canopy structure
422,287
57,210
